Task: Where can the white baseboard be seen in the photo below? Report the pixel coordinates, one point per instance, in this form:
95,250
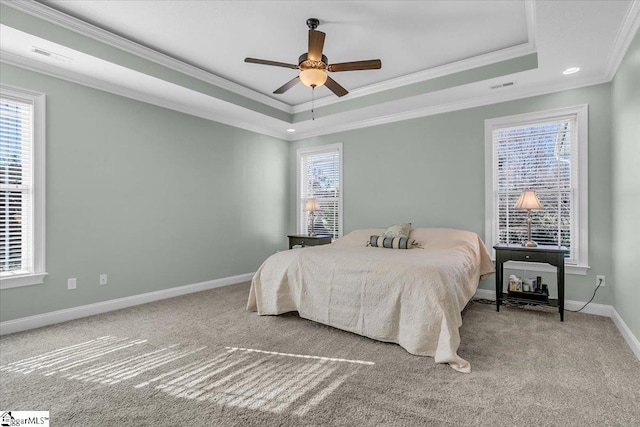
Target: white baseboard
592,308
626,333
45,319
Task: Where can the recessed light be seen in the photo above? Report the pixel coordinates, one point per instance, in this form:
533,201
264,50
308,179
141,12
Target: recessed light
291,130
571,70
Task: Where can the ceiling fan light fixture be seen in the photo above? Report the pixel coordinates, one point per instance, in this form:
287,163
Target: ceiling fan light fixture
314,65
313,77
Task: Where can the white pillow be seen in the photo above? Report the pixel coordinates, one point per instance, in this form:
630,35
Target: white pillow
398,230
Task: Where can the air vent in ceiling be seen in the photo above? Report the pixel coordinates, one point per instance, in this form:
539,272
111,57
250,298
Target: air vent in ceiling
49,54
40,51
498,86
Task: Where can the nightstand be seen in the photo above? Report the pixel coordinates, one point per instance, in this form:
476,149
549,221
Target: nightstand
553,255
304,240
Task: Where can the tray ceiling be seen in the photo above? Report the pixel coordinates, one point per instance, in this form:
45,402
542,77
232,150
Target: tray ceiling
436,55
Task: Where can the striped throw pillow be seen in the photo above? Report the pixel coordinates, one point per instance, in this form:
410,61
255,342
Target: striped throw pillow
391,242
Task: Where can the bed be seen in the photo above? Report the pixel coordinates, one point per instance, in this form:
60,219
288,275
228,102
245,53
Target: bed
412,297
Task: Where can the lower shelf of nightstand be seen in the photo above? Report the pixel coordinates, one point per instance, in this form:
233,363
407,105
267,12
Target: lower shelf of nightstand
549,303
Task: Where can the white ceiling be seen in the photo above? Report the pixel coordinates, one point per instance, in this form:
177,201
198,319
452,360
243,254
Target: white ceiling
217,35
416,41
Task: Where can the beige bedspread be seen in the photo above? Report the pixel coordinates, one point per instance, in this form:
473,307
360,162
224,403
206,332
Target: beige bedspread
412,297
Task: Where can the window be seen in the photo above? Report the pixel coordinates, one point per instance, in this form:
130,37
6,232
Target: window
21,187
545,152
320,177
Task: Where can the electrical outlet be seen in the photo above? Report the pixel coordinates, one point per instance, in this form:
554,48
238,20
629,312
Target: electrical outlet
71,284
598,279
103,279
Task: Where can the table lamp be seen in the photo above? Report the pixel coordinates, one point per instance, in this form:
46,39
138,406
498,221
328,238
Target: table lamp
312,205
528,200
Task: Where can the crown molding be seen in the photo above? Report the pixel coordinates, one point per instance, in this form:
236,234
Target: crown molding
530,17
443,70
623,39
76,25
84,80
327,128
248,120
626,33
41,11
432,73
453,106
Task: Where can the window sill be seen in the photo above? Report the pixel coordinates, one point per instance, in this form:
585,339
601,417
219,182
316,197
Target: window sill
580,270
10,281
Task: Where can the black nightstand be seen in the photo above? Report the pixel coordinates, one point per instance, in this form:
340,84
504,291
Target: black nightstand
553,255
304,240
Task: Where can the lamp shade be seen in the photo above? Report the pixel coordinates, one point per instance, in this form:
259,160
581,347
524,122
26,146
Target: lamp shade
311,205
528,200
313,77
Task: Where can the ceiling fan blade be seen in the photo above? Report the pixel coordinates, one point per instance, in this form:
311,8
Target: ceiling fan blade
274,63
335,87
372,64
316,43
288,85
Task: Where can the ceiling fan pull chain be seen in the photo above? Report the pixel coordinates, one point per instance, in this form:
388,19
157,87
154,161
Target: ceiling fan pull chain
313,91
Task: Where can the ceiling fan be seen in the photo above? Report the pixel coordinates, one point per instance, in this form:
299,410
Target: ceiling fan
313,65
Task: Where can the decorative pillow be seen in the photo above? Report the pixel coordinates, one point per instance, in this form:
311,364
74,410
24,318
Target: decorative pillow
391,242
398,230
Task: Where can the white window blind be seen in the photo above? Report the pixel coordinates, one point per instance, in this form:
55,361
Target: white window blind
16,195
319,177
545,152
536,156
22,185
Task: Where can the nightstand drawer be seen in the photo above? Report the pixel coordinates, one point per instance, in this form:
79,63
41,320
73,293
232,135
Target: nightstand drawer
528,256
307,242
295,241
302,240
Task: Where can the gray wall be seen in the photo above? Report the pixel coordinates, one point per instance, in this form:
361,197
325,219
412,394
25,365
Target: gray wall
156,198
626,187
430,171
152,197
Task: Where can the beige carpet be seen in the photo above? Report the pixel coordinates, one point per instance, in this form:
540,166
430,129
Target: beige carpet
202,360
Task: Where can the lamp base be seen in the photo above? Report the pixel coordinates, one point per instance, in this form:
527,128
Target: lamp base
529,244
312,217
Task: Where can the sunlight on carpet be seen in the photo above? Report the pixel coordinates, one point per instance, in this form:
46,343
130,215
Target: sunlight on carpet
232,376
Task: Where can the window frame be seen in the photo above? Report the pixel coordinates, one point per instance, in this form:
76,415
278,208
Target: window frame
38,101
580,211
319,149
